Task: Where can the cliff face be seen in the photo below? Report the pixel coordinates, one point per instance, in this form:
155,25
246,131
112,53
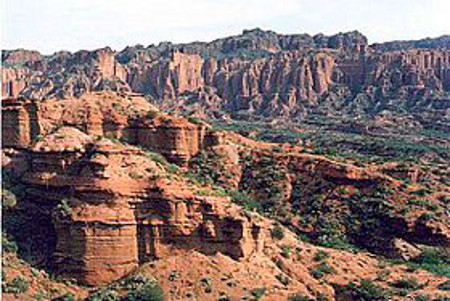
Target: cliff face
64,75
127,117
416,69
118,208
258,73
442,42
285,79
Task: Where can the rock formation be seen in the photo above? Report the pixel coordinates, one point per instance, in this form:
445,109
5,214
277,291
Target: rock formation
259,73
118,209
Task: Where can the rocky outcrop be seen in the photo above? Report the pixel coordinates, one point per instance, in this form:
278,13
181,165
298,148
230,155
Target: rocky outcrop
14,81
417,69
77,73
20,57
15,123
259,73
127,117
118,208
175,138
442,42
168,78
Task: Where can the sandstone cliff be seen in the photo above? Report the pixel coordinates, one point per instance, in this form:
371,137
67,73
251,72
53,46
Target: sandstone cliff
257,74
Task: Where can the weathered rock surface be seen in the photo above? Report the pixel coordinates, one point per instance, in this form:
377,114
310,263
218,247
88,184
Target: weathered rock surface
259,73
119,209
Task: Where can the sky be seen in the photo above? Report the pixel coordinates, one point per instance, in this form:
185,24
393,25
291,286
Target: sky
53,25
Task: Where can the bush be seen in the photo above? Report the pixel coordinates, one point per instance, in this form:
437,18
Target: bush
433,260
286,251
147,292
18,285
258,292
8,198
365,291
135,176
104,295
63,208
43,295
244,199
71,297
277,232
432,256
143,288
409,284
299,298
283,279
9,246
321,270
422,298
320,255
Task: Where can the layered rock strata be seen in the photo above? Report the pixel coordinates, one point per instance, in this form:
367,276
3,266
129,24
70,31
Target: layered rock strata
118,209
258,73
130,118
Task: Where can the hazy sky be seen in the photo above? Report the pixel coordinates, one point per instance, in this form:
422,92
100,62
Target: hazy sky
50,25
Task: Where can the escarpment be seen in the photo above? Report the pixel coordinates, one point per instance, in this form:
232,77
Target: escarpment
117,208
291,76
114,206
129,117
257,74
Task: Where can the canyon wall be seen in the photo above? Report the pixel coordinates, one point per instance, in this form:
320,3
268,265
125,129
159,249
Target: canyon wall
127,117
259,73
118,208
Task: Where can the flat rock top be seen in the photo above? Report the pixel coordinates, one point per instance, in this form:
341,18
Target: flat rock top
65,138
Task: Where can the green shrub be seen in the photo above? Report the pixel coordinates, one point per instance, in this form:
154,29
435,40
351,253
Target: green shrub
321,255
151,114
18,285
277,232
299,298
365,291
104,295
63,208
422,298
143,288
433,260
8,244
195,120
286,251
135,175
432,256
427,216
321,270
283,279
409,284
9,199
42,295
258,292
147,292
71,297
244,199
